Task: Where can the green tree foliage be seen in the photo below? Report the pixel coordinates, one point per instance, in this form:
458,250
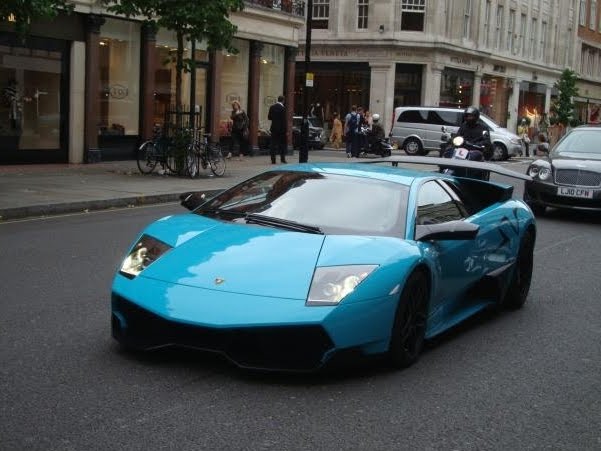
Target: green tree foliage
23,12
199,20
563,106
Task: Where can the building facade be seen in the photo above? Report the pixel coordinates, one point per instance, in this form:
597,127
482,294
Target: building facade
588,63
91,80
503,56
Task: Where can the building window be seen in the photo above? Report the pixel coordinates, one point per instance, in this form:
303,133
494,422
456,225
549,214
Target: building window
165,76
271,80
32,94
533,32
499,27
523,24
321,14
582,16
362,14
543,40
456,88
593,15
119,68
234,83
467,15
412,15
510,30
487,24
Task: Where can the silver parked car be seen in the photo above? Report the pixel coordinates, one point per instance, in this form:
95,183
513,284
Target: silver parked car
416,130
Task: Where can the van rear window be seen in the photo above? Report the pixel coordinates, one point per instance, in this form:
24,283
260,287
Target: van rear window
414,116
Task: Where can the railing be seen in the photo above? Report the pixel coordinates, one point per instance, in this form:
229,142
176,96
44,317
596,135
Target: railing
294,7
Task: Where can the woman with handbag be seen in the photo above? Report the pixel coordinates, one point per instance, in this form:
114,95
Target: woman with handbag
240,130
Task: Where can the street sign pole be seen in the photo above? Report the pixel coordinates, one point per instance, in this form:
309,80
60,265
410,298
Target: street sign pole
303,154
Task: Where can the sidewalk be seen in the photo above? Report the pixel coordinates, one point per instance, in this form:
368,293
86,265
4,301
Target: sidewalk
52,189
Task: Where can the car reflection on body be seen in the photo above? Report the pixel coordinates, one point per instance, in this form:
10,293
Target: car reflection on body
306,264
570,177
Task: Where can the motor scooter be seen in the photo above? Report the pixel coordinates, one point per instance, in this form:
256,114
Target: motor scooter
456,147
373,145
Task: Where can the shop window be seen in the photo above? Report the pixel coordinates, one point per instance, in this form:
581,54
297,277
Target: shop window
31,96
456,88
119,66
271,82
321,14
412,15
165,76
234,83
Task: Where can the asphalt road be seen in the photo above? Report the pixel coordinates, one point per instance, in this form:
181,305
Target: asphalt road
513,381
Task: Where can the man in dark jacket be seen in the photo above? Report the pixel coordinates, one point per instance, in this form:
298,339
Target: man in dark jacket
277,116
472,130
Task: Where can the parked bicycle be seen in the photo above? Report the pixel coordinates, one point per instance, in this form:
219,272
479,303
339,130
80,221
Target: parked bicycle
202,154
158,150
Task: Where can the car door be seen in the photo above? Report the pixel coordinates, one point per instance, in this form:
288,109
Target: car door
456,262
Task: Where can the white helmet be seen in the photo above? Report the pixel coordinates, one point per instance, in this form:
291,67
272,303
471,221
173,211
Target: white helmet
376,117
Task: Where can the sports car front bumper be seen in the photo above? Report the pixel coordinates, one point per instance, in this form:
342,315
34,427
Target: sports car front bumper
251,331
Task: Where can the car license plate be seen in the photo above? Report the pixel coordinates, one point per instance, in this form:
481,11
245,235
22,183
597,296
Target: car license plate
575,192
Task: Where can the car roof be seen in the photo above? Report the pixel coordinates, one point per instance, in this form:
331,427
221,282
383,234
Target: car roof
402,176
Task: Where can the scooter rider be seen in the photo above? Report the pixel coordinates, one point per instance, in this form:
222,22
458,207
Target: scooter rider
472,130
377,131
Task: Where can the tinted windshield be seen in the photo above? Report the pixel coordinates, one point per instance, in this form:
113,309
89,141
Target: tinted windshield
334,203
580,144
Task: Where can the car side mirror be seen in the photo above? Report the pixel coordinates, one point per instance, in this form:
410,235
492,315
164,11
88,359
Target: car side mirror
443,129
452,230
192,200
486,133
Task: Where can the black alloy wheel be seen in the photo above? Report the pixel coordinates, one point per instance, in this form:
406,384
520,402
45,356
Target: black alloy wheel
517,293
409,327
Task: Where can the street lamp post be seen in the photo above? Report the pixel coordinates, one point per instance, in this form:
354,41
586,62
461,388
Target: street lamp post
303,154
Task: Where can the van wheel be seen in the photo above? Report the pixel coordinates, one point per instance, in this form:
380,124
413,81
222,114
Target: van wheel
499,152
412,147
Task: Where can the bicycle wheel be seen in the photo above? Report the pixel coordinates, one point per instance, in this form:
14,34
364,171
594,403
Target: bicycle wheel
191,162
175,159
146,157
216,160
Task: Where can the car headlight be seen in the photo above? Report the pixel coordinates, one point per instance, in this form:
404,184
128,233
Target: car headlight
332,284
515,141
540,172
145,252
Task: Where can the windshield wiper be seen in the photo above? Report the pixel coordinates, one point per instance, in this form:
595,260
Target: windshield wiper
253,218
218,212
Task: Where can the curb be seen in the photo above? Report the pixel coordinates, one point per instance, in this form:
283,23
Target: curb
34,211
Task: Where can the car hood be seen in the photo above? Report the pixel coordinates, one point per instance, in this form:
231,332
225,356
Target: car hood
503,131
252,259
237,258
576,162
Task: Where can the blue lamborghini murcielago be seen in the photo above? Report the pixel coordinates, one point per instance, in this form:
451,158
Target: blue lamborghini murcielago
304,264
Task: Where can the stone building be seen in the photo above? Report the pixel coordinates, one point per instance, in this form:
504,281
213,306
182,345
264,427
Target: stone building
501,55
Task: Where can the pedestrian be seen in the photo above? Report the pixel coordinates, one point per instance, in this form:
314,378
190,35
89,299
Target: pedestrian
336,136
543,125
277,116
240,131
523,134
351,132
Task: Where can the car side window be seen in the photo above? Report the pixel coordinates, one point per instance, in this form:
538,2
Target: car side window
435,205
446,118
413,116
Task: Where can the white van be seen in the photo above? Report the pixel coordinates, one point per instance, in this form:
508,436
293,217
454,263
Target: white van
417,131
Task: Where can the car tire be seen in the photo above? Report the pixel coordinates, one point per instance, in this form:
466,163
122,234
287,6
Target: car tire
519,286
409,327
499,152
413,147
